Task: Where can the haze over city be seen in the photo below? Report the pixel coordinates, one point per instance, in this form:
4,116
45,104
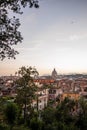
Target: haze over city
55,36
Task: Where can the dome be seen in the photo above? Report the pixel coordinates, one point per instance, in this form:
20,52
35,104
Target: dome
54,74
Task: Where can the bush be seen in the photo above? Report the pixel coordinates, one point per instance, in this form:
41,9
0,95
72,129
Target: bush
36,124
3,127
20,128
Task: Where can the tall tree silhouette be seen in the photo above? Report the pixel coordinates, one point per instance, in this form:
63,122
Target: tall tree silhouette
26,88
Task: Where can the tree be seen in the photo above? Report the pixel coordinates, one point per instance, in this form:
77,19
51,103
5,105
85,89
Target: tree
9,34
2,101
48,115
82,114
26,88
36,124
64,112
11,112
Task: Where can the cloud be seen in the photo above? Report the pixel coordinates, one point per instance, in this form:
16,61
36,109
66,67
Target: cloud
77,37
73,37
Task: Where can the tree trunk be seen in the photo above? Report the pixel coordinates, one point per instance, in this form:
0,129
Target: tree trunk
25,108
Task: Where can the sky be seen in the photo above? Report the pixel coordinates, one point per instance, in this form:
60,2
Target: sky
55,36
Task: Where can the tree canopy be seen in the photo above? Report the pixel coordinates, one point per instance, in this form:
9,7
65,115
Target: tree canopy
9,34
11,112
26,88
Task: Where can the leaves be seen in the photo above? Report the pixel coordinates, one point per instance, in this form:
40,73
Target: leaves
26,88
11,112
9,34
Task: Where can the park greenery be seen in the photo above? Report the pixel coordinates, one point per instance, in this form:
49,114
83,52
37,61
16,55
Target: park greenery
60,118
21,115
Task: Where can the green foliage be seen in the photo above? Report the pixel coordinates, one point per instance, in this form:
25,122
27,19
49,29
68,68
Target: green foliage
2,105
11,113
26,89
22,127
9,34
82,119
60,118
64,111
36,124
3,127
17,5
48,115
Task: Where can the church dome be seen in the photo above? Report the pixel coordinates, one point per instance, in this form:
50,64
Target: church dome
54,74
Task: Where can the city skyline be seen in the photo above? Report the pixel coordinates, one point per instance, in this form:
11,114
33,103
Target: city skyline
55,36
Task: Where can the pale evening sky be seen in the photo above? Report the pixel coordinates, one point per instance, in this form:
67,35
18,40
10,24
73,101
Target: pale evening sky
55,35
